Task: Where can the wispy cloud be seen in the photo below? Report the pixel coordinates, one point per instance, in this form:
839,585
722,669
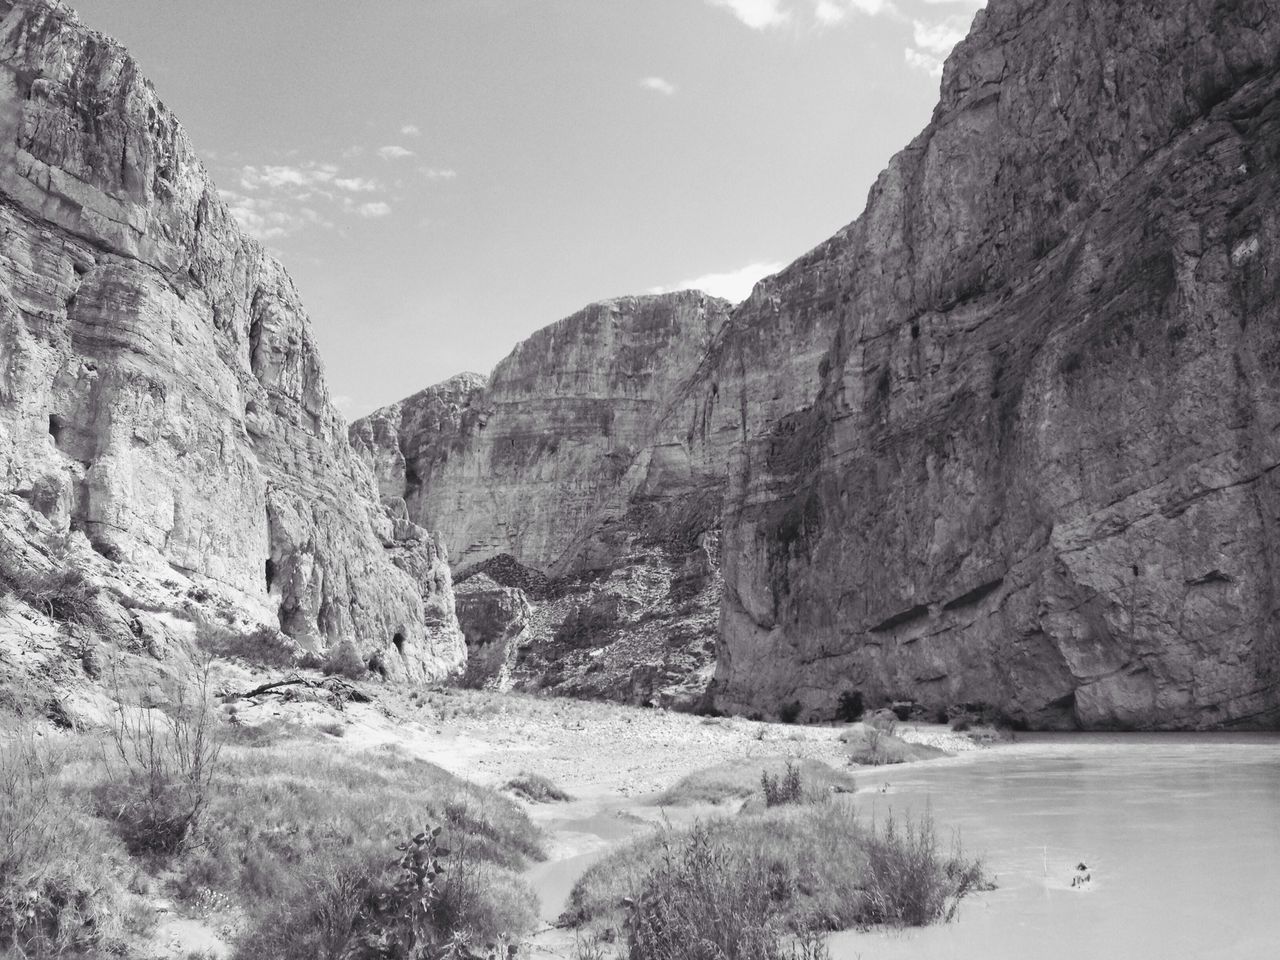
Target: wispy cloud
394,152
756,14
934,41
658,85
377,208
410,130
734,285
435,173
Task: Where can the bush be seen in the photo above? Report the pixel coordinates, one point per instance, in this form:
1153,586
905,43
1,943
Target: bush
789,712
65,595
344,660
785,788
160,772
63,877
850,707
810,853
537,789
743,780
301,830
705,900
909,883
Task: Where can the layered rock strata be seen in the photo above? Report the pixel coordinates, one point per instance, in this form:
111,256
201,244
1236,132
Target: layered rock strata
159,385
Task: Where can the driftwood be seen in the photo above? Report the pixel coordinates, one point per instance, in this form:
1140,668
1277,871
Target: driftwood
340,689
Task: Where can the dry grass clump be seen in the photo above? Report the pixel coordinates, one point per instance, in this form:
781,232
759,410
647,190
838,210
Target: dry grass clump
810,853
709,900
159,773
62,594
910,882
537,789
743,780
792,869
875,744
64,876
304,832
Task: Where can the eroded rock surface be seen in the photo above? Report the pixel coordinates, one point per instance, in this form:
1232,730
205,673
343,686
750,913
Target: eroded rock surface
159,386
1039,468
1008,438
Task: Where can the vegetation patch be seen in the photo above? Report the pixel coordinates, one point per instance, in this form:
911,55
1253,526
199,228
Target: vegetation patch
875,744
537,789
744,780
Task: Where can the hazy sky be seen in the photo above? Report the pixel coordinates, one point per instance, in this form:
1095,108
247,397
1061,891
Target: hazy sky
444,177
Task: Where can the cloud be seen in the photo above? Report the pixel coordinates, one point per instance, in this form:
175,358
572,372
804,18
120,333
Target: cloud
830,12
434,173
410,130
394,152
934,42
356,184
734,285
658,85
756,14
267,218
376,208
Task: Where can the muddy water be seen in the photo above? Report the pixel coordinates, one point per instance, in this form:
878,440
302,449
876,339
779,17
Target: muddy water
1180,836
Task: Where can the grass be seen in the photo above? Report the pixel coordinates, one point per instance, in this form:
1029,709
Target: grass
910,882
537,789
743,780
304,831
65,877
877,746
796,868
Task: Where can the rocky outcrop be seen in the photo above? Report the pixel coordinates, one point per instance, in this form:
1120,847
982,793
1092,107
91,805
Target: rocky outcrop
1006,439
531,462
159,385
1038,471
495,621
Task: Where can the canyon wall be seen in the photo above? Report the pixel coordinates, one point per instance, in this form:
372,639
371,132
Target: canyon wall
1008,438
160,389
1038,471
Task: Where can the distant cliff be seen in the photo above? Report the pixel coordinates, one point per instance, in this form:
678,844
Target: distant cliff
1007,438
160,389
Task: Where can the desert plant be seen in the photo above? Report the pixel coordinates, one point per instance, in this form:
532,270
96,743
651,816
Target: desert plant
787,787
63,878
789,712
909,881
705,900
537,788
160,772
849,709
345,661
63,594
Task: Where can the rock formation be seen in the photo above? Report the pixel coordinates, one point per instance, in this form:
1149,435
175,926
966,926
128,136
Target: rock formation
1038,469
495,621
1007,439
160,389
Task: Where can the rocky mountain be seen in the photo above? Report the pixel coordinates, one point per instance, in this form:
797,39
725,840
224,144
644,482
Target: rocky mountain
1008,438
160,390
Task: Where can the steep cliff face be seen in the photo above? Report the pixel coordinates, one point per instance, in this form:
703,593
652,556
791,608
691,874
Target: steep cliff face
532,461
1039,469
159,385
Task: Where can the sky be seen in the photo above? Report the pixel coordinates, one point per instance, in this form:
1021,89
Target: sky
443,177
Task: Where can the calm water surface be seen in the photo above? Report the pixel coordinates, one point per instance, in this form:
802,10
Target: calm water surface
1181,835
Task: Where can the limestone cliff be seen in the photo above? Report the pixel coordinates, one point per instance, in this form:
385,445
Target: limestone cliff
1007,438
530,461
159,385
1039,467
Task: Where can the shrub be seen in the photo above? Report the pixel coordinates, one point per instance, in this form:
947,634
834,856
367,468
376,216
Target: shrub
742,781
909,882
344,660
850,707
788,787
160,772
259,645
537,789
301,830
65,594
789,712
705,900
810,854
64,878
